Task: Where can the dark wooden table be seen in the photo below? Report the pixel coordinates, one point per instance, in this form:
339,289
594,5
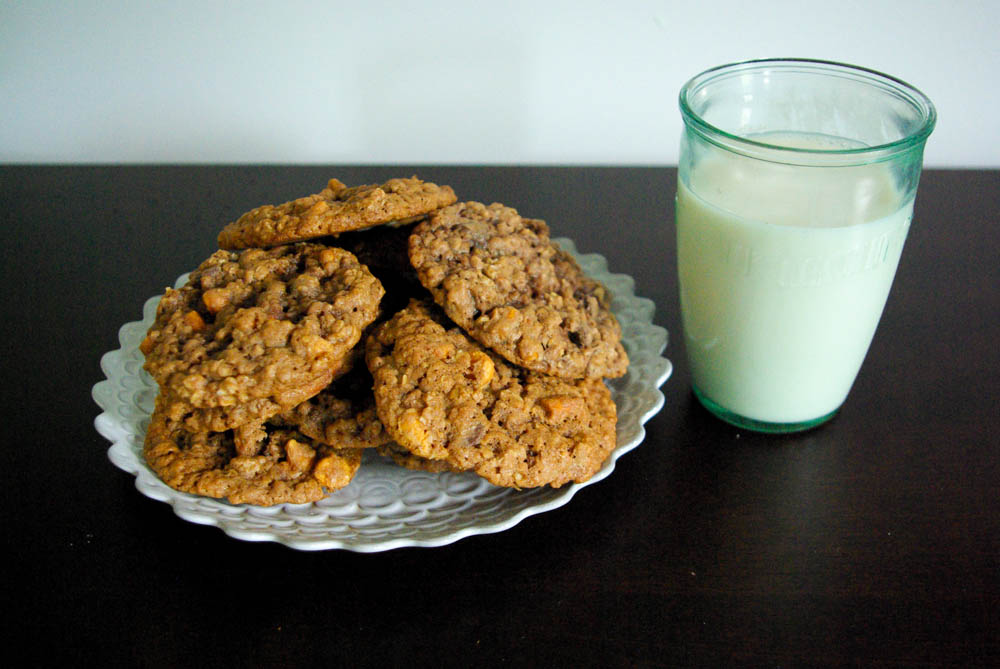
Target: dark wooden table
873,540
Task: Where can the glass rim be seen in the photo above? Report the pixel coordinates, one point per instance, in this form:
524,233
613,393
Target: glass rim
912,95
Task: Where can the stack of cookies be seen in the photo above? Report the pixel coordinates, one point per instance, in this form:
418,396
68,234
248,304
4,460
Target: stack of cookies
448,336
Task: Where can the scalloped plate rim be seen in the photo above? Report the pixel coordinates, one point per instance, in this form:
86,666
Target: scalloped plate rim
123,456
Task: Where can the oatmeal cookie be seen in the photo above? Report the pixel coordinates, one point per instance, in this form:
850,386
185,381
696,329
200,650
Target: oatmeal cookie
442,396
342,415
335,209
255,332
253,464
408,460
501,278
384,250
222,418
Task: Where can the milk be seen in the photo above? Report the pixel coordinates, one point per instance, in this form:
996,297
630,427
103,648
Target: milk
784,273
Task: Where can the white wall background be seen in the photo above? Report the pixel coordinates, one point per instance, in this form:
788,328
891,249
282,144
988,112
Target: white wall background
448,81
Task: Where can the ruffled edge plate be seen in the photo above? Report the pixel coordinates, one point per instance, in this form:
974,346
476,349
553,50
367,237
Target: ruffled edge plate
385,506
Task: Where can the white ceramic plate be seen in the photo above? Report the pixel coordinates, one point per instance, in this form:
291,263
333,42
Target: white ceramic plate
385,506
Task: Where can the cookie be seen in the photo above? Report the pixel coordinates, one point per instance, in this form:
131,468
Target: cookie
342,415
253,464
444,397
255,332
384,250
408,460
222,418
333,210
501,278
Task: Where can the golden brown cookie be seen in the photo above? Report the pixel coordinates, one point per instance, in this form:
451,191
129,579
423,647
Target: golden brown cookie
253,464
255,332
442,396
333,210
408,460
222,418
501,278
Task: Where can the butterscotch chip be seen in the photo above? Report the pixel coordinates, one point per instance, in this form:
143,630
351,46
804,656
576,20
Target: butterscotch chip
253,464
333,210
277,327
443,397
501,278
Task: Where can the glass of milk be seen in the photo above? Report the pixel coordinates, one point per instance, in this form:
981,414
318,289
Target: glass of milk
795,192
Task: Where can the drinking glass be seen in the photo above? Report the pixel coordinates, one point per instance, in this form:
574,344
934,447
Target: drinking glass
795,192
